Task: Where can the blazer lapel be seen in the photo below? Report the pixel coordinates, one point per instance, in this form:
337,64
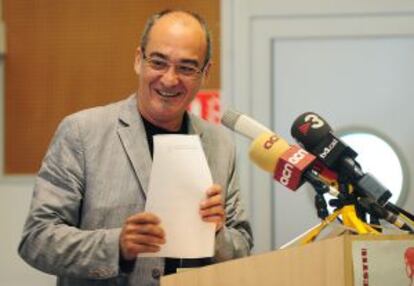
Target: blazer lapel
134,140
196,127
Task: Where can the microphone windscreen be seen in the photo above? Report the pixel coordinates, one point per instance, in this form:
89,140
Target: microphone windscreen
243,124
230,118
310,129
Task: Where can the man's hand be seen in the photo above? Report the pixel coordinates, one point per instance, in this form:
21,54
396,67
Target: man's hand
212,208
141,233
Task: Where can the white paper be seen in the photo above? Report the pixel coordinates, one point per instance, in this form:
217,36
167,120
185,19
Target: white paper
179,179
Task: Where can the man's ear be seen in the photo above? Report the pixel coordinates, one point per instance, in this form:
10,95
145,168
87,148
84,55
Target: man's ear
206,71
138,60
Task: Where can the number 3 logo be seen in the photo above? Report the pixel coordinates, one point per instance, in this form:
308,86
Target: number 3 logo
315,121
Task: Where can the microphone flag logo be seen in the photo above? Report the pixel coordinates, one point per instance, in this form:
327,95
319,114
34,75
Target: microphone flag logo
304,128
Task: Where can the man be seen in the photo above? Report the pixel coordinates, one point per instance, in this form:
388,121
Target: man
87,221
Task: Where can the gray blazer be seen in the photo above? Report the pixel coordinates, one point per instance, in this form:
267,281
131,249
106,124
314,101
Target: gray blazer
94,175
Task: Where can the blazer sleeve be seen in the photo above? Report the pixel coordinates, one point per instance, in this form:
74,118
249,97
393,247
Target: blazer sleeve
235,239
52,241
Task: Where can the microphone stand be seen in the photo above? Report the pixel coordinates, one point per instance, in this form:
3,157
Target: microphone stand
352,212
346,209
365,204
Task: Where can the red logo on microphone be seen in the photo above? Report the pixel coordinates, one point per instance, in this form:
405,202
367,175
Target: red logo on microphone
291,165
304,128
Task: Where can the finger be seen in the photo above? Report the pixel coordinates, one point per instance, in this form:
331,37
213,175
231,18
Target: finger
150,229
130,245
211,202
214,218
143,218
213,211
132,250
145,239
214,197
146,229
214,190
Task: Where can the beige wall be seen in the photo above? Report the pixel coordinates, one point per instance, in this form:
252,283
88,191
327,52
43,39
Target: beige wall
64,56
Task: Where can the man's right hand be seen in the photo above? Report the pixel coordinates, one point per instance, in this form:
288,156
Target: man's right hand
141,233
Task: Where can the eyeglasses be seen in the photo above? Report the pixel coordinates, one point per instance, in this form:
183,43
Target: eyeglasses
181,69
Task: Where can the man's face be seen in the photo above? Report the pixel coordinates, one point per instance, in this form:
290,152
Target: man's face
165,89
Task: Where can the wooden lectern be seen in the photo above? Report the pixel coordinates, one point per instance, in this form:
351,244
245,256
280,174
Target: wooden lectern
327,262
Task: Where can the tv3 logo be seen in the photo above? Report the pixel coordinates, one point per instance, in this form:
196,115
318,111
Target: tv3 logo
315,121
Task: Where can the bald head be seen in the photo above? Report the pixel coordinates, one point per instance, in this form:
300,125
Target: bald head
178,17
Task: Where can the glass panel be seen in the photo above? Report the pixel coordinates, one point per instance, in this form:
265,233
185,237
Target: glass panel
379,158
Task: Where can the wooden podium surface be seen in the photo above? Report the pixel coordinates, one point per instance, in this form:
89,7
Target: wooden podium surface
327,262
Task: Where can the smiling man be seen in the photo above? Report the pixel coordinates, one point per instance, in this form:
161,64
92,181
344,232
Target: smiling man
87,223
172,62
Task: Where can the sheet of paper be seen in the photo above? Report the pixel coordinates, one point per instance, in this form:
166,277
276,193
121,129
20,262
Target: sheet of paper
179,178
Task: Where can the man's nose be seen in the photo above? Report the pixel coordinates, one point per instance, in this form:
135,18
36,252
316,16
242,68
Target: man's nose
170,77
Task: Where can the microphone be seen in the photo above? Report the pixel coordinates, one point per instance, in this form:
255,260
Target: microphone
243,124
310,130
315,135
380,212
290,165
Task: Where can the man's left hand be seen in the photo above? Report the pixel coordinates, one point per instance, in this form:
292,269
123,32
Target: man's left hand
212,208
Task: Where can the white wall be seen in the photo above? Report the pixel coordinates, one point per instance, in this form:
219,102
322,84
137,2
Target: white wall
15,196
351,61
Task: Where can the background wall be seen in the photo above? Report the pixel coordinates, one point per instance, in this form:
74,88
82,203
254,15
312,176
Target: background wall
351,62
64,56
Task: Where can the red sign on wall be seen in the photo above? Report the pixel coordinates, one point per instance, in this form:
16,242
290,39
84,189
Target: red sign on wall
206,104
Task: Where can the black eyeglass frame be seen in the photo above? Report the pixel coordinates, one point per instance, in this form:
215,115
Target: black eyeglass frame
198,73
